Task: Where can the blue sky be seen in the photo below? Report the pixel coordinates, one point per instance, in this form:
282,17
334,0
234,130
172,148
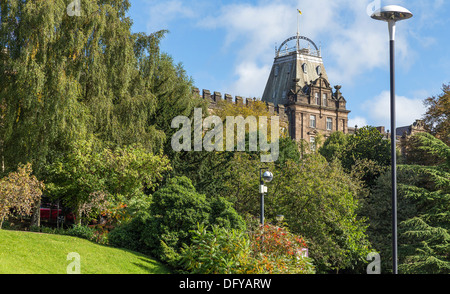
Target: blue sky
229,47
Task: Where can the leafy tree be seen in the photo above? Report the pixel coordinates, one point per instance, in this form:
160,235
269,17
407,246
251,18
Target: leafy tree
437,117
18,192
319,201
335,146
64,78
90,170
365,154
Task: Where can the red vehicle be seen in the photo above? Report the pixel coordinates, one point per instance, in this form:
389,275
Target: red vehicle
52,212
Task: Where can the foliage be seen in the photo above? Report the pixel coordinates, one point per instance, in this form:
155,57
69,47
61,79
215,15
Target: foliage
367,151
216,251
118,175
228,251
129,234
64,78
423,212
175,211
81,231
437,117
335,146
323,210
19,192
277,251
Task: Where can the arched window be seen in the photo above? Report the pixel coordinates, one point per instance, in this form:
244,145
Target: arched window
318,70
304,67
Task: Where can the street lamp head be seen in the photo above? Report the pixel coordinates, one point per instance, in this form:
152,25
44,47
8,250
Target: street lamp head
267,177
392,13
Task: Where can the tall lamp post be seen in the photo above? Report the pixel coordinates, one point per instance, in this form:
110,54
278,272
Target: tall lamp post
266,177
391,14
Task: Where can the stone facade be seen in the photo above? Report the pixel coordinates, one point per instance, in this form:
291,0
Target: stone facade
298,81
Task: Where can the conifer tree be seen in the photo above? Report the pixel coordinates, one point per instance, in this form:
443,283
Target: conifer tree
423,210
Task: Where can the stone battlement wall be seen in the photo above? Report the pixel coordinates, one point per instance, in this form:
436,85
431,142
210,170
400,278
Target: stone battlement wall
215,97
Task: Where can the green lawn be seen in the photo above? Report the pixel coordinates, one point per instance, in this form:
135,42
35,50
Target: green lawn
35,253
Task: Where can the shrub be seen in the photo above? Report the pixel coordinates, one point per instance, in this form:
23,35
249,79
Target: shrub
81,231
19,193
277,251
174,213
129,235
224,215
269,250
216,251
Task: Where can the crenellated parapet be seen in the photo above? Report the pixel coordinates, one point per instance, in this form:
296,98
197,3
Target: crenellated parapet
215,97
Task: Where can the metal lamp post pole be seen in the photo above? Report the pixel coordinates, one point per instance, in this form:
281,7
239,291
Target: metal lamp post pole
261,184
392,14
393,148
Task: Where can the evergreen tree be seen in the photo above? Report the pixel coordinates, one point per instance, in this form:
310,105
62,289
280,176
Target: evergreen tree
423,211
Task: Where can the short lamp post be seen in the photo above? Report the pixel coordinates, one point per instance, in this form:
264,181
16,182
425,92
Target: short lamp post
392,14
266,177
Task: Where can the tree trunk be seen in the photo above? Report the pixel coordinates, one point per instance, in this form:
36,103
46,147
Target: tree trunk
36,217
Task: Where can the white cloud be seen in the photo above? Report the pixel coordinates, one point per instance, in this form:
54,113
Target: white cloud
161,14
407,109
357,121
354,42
249,79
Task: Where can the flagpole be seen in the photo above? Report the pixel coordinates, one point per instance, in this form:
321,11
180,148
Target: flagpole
298,29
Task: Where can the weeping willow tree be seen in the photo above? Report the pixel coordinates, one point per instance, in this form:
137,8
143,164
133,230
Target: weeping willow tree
65,77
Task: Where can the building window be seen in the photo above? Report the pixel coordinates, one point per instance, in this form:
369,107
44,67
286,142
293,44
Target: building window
317,98
312,141
289,68
284,95
312,121
325,100
318,70
329,124
277,70
304,68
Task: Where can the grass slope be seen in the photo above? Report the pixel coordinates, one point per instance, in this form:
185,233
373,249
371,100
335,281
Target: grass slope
35,253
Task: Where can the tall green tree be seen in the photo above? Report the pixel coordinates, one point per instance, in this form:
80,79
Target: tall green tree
64,77
365,154
319,201
423,211
89,170
437,117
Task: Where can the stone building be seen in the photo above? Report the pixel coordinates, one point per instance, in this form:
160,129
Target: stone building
299,92
299,83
